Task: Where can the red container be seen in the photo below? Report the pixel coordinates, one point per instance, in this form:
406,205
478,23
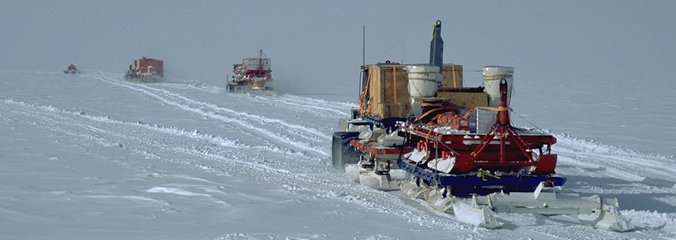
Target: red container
149,65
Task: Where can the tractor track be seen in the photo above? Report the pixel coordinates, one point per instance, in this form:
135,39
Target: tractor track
293,156
236,160
296,138
269,164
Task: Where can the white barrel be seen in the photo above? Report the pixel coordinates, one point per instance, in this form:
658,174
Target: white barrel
492,76
423,80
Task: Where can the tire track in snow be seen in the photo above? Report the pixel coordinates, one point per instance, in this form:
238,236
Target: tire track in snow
306,103
306,106
59,123
315,101
369,200
299,182
317,185
266,133
618,163
194,134
254,117
68,122
279,139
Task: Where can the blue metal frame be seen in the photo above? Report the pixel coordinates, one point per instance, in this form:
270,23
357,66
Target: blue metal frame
465,185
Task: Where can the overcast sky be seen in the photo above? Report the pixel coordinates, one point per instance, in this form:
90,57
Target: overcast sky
315,46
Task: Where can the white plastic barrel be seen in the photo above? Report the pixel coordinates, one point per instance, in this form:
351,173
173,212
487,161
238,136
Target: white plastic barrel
423,80
492,76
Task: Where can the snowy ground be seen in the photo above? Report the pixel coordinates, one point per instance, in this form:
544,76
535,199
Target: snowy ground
92,156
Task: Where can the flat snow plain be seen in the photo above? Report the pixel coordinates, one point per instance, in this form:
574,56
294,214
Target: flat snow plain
92,156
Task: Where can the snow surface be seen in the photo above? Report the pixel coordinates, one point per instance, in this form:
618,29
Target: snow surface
92,156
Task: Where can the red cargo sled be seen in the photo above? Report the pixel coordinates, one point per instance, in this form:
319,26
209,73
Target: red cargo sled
145,69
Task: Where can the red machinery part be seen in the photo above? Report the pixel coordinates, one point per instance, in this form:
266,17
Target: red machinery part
502,149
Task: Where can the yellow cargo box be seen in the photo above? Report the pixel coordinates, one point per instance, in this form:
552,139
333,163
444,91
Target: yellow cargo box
452,76
388,88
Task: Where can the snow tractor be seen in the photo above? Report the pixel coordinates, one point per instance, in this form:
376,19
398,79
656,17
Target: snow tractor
251,75
71,69
145,69
417,129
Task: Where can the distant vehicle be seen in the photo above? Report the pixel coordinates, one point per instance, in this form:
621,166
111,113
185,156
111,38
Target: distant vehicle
145,69
71,70
252,74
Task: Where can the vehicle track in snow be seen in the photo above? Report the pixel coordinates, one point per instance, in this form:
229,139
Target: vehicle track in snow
156,143
301,172
137,136
632,165
292,136
292,103
312,106
594,168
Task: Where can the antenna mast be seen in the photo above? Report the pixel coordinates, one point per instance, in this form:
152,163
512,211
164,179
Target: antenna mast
363,45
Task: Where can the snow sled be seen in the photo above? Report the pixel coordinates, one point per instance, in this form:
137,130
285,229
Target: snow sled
419,131
145,69
251,76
